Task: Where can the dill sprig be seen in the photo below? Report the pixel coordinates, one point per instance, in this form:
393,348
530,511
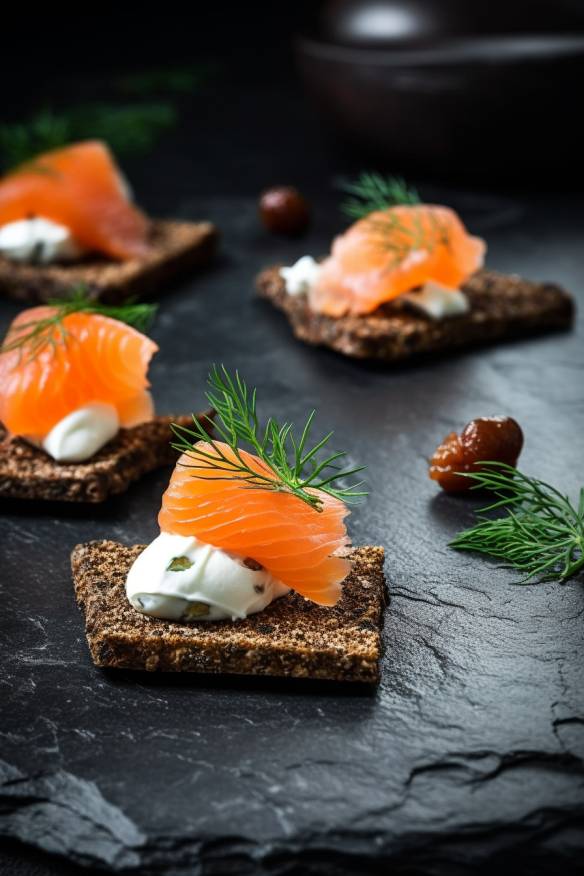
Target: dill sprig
542,534
127,128
32,337
293,466
372,191
181,79
426,232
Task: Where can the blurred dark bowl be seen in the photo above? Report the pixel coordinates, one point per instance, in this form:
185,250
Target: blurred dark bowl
443,101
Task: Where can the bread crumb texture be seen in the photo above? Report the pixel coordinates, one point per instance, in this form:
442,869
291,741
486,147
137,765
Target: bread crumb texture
292,637
176,248
502,307
27,472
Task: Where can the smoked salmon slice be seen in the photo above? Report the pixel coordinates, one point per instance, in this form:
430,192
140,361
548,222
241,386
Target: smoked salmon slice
275,528
83,358
393,251
81,188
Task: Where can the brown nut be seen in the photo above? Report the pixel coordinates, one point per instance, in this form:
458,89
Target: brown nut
493,439
283,210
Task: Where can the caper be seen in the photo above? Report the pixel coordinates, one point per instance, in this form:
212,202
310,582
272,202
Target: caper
179,564
195,610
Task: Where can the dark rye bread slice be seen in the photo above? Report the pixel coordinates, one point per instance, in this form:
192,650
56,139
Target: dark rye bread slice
292,637
176,248
502,307
26,472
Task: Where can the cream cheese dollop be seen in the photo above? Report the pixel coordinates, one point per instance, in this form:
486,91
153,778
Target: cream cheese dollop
434,299
438,301
79,435
301,276
180,578
38,241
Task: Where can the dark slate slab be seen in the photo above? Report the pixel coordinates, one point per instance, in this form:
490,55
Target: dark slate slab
470,756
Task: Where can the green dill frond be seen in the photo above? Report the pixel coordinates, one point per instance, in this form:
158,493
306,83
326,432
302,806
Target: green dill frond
372,191
542,532
30,338
22,141
164,80
127,128
294,466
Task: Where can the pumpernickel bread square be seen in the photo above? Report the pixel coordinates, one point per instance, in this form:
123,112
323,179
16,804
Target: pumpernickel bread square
176,248
502,307
27,472
292,637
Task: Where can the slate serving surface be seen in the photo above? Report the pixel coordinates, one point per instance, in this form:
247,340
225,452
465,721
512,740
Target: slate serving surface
470,756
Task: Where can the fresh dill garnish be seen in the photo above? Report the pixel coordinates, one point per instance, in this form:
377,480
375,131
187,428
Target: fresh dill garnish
293,467
542,533
127,128
372,191
164,80
31,337
22,141
145,107
424,233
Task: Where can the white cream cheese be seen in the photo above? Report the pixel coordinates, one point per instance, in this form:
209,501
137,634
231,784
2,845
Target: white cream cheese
38,241
182,579
82,433
301,275
437,301
124,186
433,299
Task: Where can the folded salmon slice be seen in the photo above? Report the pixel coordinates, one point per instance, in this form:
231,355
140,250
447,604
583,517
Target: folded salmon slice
393,251
81,188
86,358
283,533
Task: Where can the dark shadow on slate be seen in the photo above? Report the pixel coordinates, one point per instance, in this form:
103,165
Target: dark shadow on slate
240,684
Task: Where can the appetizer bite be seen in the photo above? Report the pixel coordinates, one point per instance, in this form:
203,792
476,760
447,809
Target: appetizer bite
252,572
77,420
407,278
490,439
67,217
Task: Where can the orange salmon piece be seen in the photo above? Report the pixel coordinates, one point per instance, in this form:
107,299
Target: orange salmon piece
81,188
87,358
283,533
393,251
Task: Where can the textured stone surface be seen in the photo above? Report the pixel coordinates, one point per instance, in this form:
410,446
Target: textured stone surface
470,757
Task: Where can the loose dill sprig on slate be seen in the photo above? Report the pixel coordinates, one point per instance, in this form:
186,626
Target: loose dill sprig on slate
542,534
32,337
372,191
293,466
